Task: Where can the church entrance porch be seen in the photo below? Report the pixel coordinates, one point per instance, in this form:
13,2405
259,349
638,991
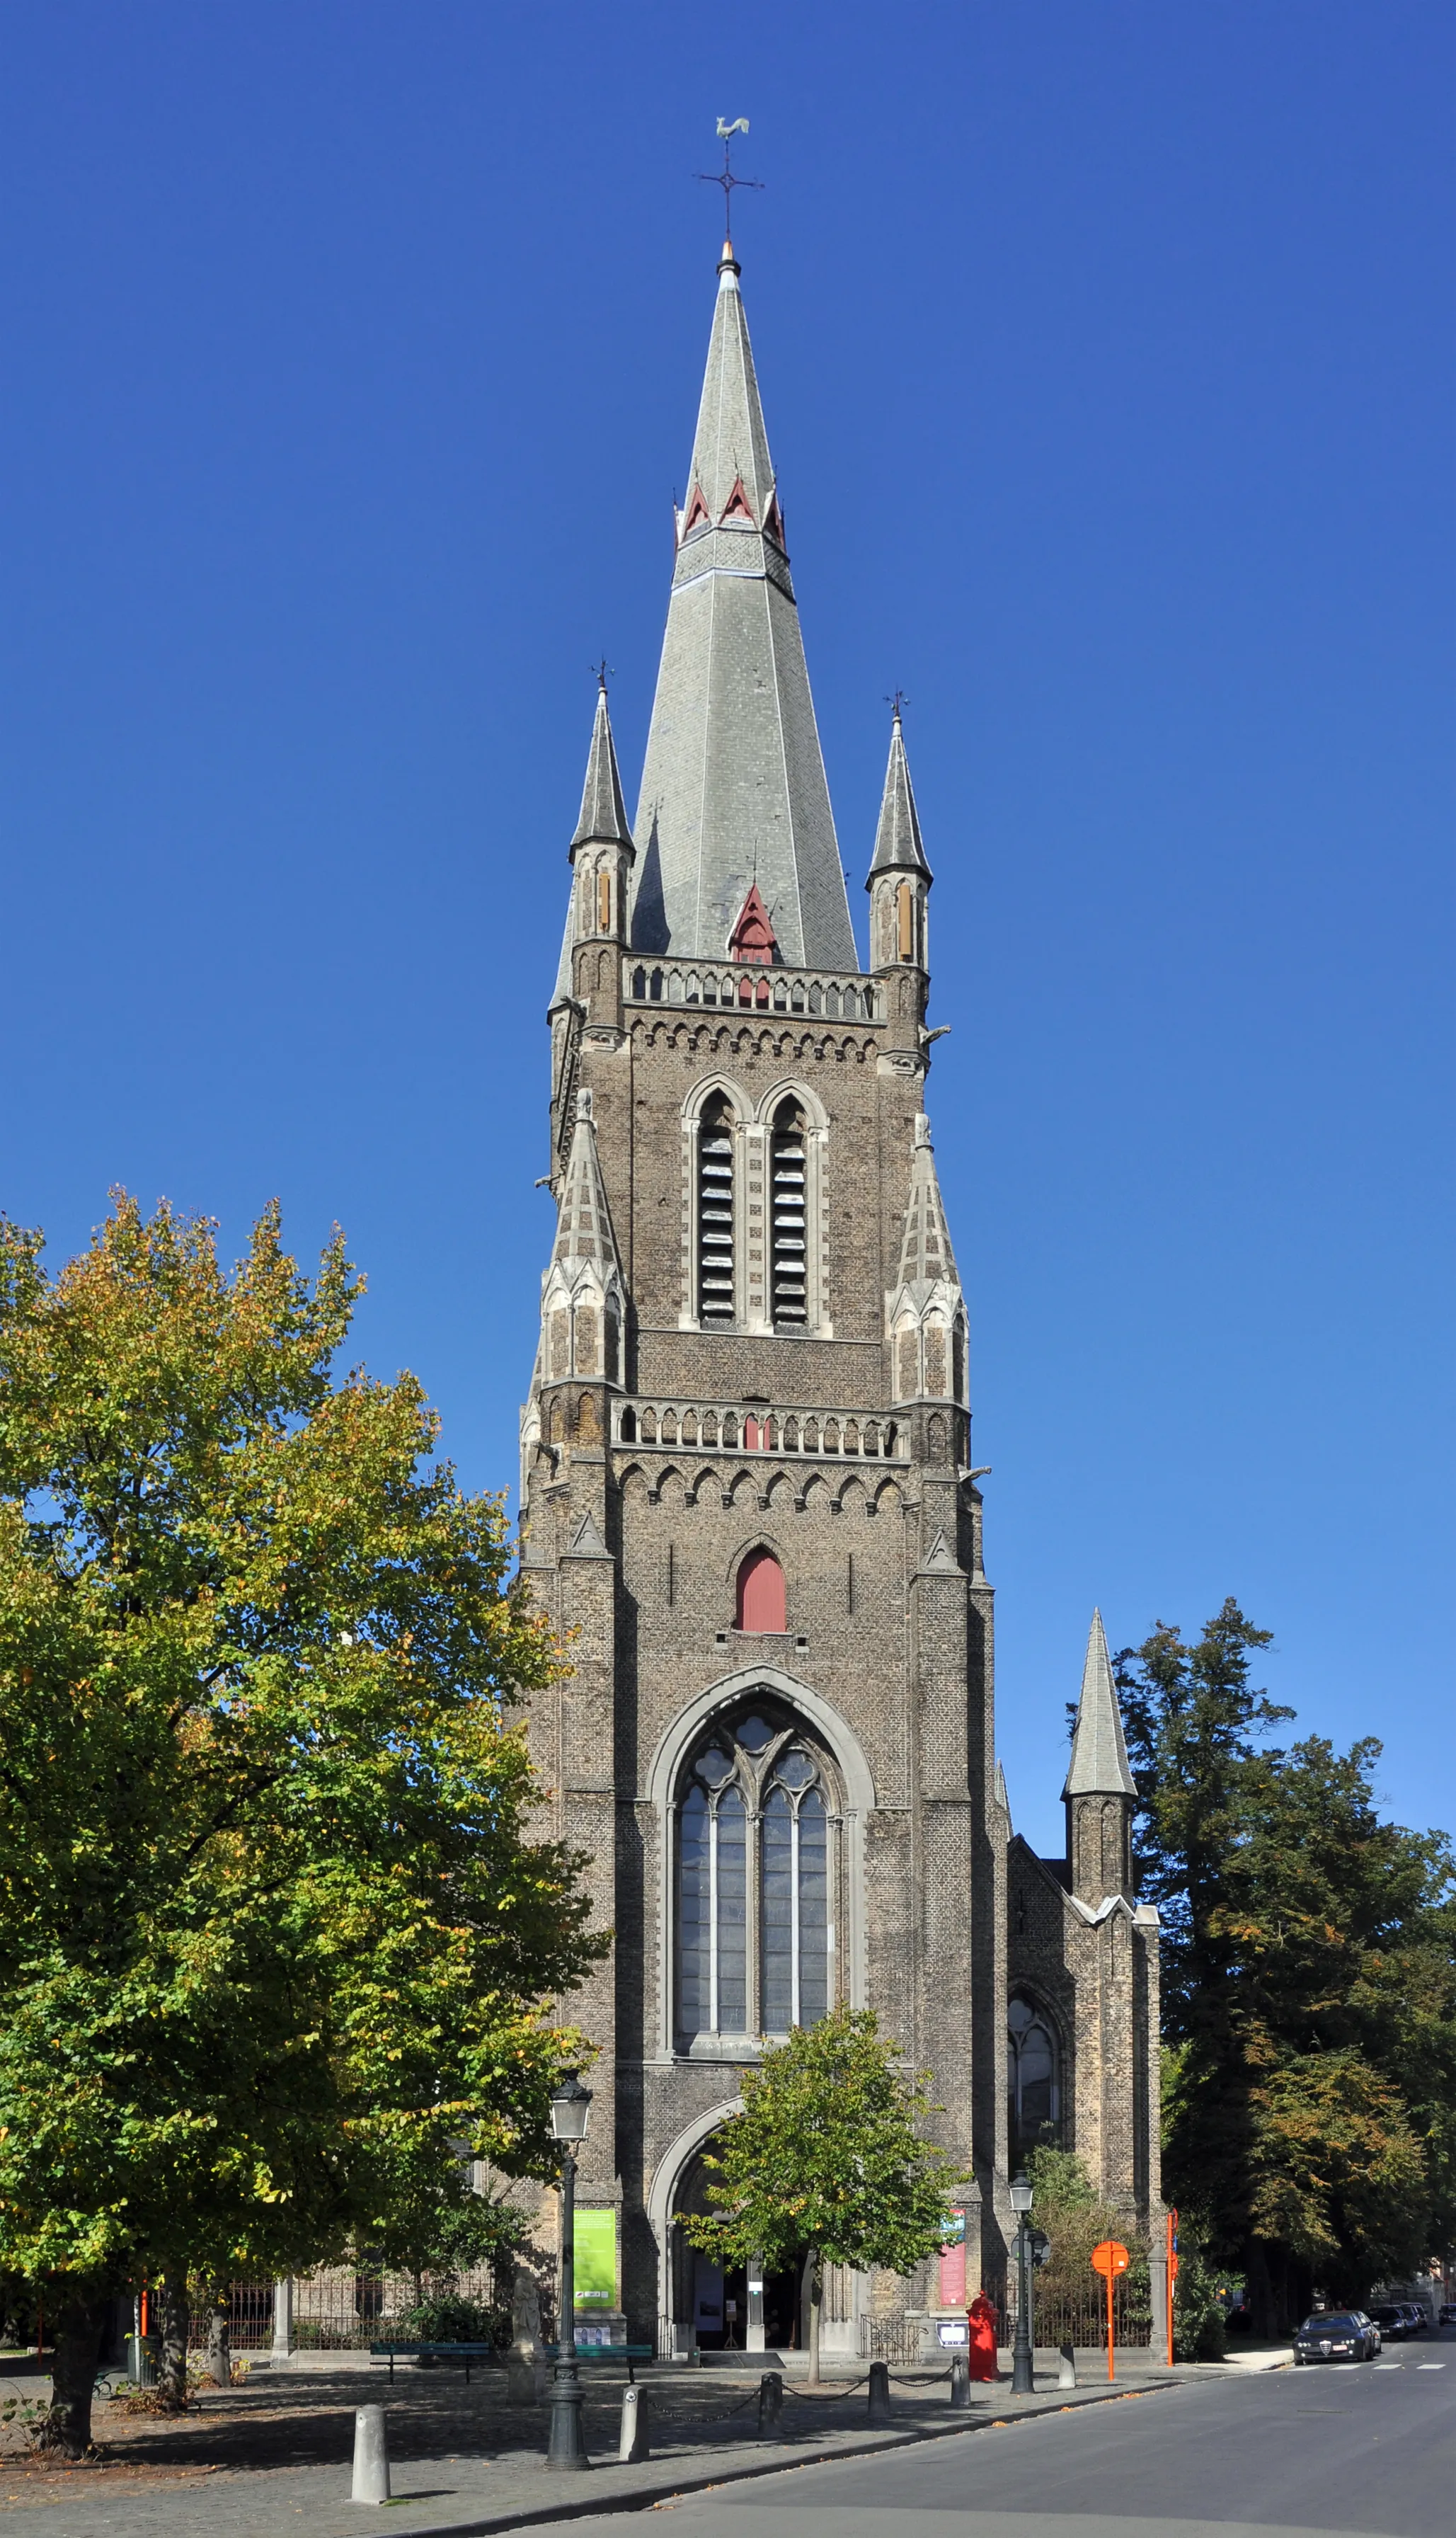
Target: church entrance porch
713,2307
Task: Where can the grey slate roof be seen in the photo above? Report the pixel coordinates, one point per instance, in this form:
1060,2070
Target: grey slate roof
1099,1767
583,1219
925,1249
897,842
733,783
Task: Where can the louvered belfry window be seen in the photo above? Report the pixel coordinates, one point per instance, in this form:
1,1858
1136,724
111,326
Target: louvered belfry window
715,1290
788,1172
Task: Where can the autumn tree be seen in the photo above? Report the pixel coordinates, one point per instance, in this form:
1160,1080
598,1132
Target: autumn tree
828,2160
273,1937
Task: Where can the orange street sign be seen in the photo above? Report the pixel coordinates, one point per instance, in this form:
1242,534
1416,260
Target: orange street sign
1109,2257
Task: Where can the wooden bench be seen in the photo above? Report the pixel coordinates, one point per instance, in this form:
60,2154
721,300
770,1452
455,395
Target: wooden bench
630,2353
437,2352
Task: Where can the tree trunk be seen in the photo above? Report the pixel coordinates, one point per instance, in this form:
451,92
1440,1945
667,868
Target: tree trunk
816,2311
219,2347
171,2361
80,2324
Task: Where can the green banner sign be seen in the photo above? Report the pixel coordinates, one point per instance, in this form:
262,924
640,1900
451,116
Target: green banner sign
596,2260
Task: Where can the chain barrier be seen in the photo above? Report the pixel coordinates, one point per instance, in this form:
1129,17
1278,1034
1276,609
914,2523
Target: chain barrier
669,2415
817,2398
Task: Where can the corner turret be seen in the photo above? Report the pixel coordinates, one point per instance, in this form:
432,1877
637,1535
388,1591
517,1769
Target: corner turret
1100,1792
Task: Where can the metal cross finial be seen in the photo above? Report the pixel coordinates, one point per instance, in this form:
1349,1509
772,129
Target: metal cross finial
900,700
602,671
727,180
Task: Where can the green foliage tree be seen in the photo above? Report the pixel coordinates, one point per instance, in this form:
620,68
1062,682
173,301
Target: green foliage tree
828,2157
1310,1983
272,1935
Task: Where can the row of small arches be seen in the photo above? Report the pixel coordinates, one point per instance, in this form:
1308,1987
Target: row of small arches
767,1432
770,991
753,1488
746,1043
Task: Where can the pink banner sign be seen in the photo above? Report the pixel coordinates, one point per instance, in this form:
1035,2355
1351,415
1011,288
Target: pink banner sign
953,2264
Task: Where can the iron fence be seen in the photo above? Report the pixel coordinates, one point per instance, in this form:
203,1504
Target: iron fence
335,2310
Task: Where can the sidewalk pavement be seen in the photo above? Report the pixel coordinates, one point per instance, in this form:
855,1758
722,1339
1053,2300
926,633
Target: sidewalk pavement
466,2463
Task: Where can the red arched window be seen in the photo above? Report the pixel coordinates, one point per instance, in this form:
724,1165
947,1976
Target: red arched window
761,1604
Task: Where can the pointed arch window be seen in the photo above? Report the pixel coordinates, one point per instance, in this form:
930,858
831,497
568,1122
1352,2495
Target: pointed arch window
756,1822
762,1603
1033,2075
716,1292
788,1168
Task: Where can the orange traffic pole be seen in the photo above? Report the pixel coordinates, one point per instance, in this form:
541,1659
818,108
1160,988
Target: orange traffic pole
1172,2276
1109,2325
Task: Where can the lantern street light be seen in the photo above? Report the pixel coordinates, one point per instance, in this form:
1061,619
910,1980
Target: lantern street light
1021,2380
570,2105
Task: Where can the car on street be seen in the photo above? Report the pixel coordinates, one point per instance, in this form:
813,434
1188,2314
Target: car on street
1336,2335
1448,2314
1418,2316
1390,2316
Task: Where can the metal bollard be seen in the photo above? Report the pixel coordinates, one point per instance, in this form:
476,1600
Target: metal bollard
771,2405
1066,2367
371,2456
636,2425
877,2405
960,2380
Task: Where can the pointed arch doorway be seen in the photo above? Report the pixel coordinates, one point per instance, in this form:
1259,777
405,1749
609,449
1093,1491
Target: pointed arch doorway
713,2307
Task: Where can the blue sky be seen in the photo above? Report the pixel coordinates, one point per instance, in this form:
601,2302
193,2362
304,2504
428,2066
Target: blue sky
351,360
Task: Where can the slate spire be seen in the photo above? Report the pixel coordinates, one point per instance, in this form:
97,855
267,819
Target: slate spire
603,812
1099,1765
602,822
926,1256
733,783
898,846
583,1219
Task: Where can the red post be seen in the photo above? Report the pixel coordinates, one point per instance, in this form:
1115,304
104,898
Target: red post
1172,2276
1109,2326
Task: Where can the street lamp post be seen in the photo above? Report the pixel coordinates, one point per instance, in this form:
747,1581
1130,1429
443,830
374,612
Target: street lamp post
1022,2381
566,2448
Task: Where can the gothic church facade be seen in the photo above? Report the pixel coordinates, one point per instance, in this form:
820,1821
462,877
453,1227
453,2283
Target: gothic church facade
749,1501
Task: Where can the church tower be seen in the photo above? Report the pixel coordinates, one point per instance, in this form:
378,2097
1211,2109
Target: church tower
748,1494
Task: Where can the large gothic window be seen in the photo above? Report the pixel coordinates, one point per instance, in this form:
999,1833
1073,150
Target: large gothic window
755,1873
1032,2075
716,1280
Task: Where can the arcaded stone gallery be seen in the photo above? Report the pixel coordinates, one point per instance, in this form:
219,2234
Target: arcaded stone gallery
750,1499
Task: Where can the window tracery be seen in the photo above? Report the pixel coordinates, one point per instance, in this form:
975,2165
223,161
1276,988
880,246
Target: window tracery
757,1821
1032,2074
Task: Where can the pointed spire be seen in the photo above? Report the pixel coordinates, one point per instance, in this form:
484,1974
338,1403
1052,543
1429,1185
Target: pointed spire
603,822
730,449
584,1221
603,818
925,1251
1099,1765
733,783
898,846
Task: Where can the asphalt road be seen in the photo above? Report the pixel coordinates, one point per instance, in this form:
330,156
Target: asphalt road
1367,2450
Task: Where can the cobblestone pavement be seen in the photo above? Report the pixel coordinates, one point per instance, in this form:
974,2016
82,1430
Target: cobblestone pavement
277,2450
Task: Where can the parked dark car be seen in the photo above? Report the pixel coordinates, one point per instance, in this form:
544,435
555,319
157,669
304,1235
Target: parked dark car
1338,2336
1391,2319
1448,2314
1418,2315
1368,2323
